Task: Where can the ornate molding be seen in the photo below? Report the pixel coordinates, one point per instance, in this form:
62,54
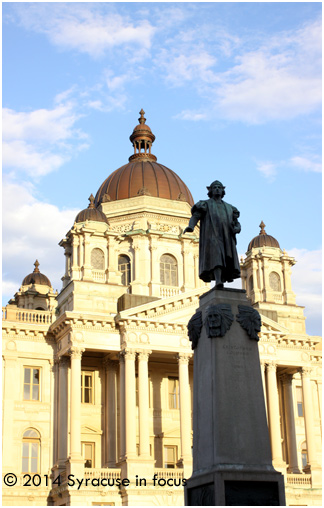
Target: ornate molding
76,353
194,328
183,358
250,321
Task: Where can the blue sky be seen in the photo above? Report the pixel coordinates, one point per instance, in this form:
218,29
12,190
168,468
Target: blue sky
232,91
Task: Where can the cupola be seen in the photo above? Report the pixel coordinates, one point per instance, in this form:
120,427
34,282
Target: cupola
263,240
91,213
143,175
36,277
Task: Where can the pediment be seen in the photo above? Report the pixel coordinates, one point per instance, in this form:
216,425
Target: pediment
89,429
269,325
178,308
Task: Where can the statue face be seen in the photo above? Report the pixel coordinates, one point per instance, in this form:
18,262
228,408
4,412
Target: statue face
216,190
214,322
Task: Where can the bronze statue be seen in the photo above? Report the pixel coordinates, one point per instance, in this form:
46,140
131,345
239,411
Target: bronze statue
218,259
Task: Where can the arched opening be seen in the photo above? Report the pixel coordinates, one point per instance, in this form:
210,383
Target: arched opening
97,259
31,451
168,270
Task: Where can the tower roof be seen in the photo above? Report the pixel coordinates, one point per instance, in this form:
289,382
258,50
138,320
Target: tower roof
91,213
143,175
36,277
263,240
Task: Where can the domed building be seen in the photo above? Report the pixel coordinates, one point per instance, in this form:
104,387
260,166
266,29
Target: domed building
99,384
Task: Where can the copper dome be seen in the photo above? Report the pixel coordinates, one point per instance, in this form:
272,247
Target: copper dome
263,240
36,277
91,213
143,175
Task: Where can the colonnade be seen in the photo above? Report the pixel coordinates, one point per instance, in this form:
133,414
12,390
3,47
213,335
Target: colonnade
127,408
269,371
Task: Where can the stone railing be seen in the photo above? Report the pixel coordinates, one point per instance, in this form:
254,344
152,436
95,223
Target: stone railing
101,473
168,473
299,479
166,291
98,275
40,317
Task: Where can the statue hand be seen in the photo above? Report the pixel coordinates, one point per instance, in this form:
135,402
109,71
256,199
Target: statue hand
188,230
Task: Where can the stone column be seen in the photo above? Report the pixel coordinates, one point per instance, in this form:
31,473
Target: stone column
274,415
75,403
122,405
10,394
143,405
62,431
309,419
130,405
263,367
290,424
185,412
87,273
111,412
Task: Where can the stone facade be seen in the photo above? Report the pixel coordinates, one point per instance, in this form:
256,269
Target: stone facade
102,390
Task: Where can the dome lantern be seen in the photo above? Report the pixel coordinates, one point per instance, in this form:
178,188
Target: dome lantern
142,139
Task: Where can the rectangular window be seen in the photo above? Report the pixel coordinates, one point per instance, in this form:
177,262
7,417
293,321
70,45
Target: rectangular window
31,383
170,457
87,387
304,458
299,396
88,454
174,401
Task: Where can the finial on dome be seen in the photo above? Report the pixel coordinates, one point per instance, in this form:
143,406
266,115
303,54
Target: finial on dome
142,139
262,226
142,119
36,264
92,200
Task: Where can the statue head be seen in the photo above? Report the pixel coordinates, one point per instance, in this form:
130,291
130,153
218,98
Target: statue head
210,188
218,320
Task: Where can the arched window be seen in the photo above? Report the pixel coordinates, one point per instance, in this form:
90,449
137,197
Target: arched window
31,452
168,270
97,259
274,280
251,283
124,266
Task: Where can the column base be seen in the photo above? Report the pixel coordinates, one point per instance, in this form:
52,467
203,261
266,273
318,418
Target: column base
226,487
75,466
315,471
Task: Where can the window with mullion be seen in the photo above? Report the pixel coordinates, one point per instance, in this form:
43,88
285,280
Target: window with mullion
31,383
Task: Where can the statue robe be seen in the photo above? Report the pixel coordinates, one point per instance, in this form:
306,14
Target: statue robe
217,242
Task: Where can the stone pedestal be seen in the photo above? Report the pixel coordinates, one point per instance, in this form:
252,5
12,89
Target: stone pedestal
232,464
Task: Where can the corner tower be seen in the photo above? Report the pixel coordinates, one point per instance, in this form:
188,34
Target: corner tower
266,277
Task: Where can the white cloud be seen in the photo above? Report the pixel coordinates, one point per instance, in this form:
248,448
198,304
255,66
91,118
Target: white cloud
280,78
193,116
40,141
306,164
86,28
31,229
268,169
307,284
